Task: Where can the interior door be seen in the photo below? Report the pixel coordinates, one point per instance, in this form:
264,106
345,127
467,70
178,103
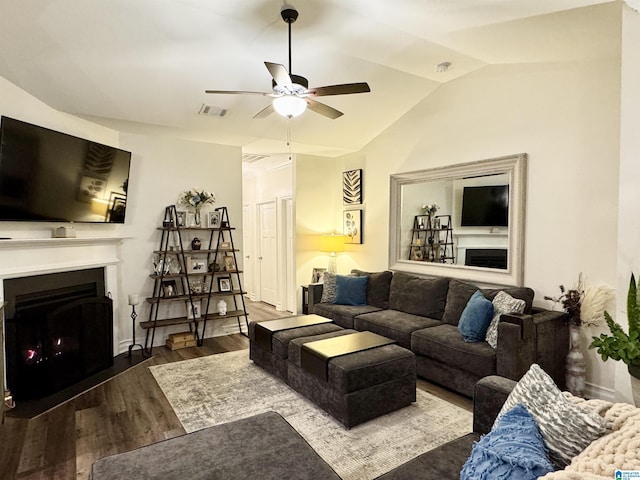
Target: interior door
267,256
290,287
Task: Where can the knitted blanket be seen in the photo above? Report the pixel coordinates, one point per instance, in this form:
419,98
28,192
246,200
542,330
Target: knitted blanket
618,449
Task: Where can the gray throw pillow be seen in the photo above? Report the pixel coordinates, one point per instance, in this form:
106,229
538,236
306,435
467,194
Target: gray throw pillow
328,288
567,429
502,303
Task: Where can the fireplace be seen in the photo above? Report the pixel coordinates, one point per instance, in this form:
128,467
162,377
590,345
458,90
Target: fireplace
59,331
486,257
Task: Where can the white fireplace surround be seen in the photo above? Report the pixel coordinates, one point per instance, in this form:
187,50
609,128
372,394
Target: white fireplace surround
37,256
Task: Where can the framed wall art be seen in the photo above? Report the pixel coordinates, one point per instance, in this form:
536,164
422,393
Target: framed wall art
352,187
352,226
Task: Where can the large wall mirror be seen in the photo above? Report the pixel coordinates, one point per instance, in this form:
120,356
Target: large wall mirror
477,231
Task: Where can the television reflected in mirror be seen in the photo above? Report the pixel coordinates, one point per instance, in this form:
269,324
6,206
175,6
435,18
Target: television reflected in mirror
51,176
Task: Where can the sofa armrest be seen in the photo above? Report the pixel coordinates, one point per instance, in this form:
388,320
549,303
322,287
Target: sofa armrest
489,394
542,338
315,294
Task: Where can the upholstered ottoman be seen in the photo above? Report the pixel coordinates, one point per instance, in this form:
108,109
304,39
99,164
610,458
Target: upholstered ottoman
269,340
353,387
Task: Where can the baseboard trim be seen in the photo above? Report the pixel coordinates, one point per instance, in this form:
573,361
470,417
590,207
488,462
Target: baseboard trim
597,391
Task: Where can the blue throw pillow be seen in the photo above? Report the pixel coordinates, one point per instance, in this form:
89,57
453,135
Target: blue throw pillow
475,318
351,290
513,450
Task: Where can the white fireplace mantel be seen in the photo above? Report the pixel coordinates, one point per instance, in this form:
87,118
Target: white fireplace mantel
37,256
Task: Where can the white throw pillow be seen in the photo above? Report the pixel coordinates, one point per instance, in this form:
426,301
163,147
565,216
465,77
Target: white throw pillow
567,429
502,303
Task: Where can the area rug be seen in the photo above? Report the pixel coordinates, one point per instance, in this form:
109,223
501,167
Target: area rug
220,388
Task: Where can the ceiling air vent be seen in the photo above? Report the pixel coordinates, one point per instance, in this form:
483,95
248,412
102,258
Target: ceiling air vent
252,157
212,111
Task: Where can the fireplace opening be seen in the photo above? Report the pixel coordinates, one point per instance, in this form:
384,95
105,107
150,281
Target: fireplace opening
486,257
59,331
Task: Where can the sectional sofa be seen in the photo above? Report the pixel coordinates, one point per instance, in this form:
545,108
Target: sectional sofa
422,314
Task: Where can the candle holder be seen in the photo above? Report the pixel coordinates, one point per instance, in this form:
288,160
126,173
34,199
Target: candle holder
133,301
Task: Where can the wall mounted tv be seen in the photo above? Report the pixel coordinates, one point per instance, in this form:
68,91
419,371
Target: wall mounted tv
51,176
485,206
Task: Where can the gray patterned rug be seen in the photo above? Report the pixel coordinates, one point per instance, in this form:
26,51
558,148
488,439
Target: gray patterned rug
211,390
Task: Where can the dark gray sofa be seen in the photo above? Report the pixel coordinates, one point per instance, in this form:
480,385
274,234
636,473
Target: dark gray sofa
422,314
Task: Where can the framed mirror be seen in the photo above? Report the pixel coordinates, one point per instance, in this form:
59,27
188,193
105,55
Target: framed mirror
463,221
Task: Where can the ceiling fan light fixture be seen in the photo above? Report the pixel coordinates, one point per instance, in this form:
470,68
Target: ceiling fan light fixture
289,105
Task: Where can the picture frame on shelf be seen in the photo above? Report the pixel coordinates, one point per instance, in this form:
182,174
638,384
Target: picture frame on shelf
196,265
181,218
317,275
190,219
213,219
436,223
194,313
224,284
229,263
225,245
168,288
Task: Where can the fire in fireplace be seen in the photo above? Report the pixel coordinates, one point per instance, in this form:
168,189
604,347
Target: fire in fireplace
59,331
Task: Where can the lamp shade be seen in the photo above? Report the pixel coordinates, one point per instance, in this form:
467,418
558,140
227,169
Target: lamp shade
289,105
332,243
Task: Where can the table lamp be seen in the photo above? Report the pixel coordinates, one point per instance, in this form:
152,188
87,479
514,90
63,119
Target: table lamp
332,244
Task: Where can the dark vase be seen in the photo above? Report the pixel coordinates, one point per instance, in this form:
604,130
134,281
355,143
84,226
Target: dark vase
196,243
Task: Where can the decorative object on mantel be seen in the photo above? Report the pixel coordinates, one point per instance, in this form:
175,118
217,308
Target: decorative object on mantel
352,187
584,306
624,346
195,199
64,232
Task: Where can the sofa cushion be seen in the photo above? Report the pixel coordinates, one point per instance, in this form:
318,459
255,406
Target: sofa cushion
378,287
418,296
342,315
351,290
567,429
502,303
393,324
513,449
445,344
475,318
460,292
328,288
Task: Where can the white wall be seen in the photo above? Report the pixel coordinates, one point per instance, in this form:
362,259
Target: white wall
160,169
628,259
564,116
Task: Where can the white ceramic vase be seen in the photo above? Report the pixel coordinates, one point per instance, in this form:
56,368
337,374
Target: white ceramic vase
576,366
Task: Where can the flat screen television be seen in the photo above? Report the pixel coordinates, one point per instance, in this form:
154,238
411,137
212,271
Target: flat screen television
51,176
485,206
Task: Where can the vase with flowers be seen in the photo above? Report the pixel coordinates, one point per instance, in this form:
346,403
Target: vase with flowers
584,306
430,210
195,199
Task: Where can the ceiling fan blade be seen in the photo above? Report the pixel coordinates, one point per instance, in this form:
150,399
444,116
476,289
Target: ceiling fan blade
238,92
323,109
279,74
265,112
345,89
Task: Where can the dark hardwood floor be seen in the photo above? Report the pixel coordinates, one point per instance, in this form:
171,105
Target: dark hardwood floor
127,412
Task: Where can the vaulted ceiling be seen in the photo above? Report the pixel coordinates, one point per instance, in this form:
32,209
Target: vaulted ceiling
143,66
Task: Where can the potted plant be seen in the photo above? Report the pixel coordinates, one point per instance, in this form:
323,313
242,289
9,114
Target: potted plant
624,346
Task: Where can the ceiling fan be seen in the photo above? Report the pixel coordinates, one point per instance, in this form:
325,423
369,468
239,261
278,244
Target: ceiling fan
291,93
